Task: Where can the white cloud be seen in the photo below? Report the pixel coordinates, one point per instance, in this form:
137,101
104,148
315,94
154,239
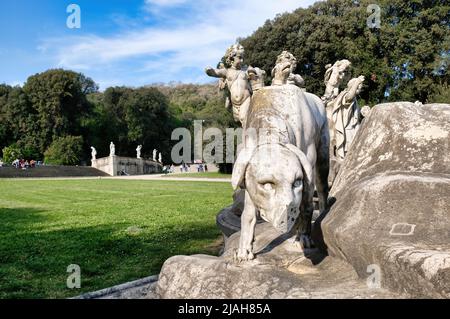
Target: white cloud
168,50
164,2
16,83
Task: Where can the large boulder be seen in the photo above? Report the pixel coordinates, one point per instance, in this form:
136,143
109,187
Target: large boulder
392,199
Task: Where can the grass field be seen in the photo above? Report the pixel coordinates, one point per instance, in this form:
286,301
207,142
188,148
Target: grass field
116,231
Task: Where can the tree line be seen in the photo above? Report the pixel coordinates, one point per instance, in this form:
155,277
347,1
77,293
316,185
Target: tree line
58,114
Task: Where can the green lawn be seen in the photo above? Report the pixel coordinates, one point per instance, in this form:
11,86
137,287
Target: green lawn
116,231
199,175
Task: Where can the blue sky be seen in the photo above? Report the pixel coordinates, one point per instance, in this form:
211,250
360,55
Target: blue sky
127,42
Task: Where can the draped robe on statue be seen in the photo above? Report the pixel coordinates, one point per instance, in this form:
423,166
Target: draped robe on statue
345,116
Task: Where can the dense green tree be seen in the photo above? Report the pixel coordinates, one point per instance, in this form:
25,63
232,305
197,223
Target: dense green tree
88,86
97,128
130,117
59,100
107,123
441,94
18,120
405,59
21,117
147,119
190,102
11,153
4,122
66,150
20,150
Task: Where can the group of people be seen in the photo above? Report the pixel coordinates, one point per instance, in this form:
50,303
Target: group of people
202,168
24,164
169,169
186,168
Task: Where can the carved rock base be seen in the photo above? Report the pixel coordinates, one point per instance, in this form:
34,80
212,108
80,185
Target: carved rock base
281,270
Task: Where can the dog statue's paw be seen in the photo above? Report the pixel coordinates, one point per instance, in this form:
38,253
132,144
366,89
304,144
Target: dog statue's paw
306,242
242,255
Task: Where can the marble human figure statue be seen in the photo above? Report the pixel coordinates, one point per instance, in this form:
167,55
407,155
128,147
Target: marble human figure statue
235,77
365,111
112,149
93,153
334,76
160,158
138,151
155,152
283,72
346,116
223,87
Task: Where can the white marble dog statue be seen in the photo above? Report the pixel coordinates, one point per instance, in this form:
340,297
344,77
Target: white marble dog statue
285,155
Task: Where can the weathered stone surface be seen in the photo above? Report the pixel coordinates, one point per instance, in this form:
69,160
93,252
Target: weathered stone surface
229,219
228,222
392,199
399,137
281,270
116,166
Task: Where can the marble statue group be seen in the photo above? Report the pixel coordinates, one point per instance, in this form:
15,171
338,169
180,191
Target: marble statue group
112,152
373,179
285,127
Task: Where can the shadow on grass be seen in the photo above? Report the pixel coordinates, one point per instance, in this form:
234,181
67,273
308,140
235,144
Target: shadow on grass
20,218
34,260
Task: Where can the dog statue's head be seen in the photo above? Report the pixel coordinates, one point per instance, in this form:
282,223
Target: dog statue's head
276,177
285,66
